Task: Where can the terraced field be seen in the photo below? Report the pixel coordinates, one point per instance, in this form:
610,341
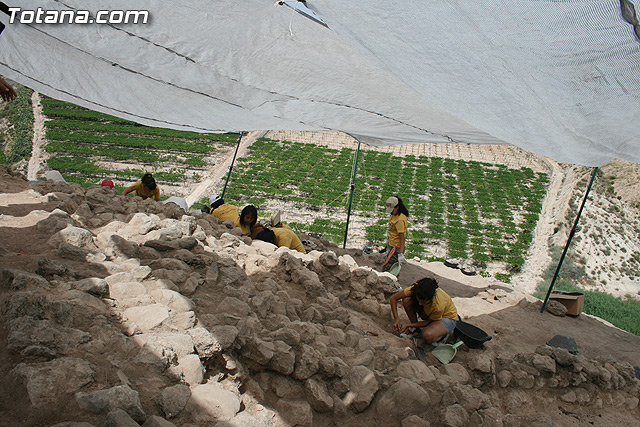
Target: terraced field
87,146
474,210
478,211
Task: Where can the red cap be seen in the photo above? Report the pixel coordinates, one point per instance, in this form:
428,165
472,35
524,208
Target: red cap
107,183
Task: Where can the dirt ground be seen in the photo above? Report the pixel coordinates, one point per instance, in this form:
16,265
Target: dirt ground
514,320
504,312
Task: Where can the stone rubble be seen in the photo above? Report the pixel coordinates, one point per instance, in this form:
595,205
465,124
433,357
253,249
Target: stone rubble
141,314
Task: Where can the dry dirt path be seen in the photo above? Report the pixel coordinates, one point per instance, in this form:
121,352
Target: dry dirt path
210,184
538,257
38,138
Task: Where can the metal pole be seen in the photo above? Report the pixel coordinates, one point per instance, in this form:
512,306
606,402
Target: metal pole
231,166
566,247
353,186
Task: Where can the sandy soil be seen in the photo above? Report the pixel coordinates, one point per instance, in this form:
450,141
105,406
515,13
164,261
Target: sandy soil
36,161
209,185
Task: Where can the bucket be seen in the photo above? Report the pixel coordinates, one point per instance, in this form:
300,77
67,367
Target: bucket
472,336
446,352
395,269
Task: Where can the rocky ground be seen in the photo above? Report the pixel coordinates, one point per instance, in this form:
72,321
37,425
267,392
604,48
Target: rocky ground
117,312
606,248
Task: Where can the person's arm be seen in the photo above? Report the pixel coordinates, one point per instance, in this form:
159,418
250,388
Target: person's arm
401,243
7,91
394,309
255,230
128,190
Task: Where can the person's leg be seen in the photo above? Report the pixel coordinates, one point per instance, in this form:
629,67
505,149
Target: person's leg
434,331
411,314
392,258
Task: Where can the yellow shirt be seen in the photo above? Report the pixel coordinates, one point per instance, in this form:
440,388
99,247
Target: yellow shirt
246,229
226,211
142,191
286,237
284,226
397,224
441,306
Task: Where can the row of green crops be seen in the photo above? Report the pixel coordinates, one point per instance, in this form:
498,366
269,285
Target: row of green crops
80,137
482,211
20,134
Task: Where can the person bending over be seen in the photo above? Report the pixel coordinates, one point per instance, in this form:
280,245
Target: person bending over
145,188
221,210
281,237
434,306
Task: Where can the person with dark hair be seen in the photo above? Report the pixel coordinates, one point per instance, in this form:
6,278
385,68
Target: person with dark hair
221,210
266,235
281,237
247,219
398,224
145,188
434,306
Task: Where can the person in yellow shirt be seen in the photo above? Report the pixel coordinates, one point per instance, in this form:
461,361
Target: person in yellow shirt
434,306
222,210
281,237
247,219
398,224
145,188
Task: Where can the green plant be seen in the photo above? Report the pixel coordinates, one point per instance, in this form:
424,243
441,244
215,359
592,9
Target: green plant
503,277
19,114
623,313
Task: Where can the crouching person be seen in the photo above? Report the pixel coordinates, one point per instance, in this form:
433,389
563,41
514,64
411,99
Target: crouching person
281,237
435,307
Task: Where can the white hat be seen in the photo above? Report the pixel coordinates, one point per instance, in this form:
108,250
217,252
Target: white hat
275,218
214,198
391,203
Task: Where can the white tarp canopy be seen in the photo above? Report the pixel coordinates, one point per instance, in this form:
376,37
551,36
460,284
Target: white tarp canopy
559,78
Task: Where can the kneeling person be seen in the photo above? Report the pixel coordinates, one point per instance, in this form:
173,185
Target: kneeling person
434,306
221,210
281,237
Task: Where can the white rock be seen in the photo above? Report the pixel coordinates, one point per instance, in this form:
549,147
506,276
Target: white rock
172,299
150,318
210,403
126,290
347,259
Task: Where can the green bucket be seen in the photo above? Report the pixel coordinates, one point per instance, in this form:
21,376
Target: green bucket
395,269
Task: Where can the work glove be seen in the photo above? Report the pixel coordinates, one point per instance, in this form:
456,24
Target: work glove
401,258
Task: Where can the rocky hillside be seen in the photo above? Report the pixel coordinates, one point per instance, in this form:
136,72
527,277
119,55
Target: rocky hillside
606,246
117,311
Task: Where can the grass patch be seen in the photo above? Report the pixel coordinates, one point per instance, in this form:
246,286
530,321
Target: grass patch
621,312
19,114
